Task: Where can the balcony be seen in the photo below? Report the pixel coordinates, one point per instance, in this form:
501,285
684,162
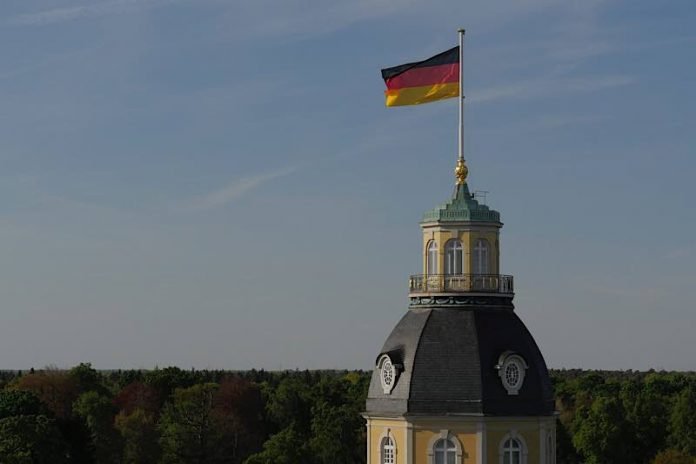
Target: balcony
460,283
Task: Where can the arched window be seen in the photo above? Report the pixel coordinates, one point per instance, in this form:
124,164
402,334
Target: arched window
512,452
481,257
432,257
445,448
453,257
388,451
444,452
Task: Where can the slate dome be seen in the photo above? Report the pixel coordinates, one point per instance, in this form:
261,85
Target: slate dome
448,362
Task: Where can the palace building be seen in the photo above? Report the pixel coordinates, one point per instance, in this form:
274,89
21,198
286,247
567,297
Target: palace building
460,380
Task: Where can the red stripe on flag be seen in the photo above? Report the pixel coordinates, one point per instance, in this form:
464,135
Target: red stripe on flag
422,76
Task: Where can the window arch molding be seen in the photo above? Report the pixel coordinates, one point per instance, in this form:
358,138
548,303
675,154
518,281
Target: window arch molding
513,435
384,439
445,435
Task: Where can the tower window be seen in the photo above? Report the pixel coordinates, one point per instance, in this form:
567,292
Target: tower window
388,451
445,452
432,257
481,257
512,452
453,257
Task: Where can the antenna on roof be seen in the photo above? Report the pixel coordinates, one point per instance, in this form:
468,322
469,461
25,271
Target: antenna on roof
482,194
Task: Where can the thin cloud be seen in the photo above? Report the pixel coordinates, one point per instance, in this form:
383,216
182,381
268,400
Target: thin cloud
232,191
59,15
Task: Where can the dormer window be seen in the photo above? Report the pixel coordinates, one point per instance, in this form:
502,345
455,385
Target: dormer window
453,257
388,373
511,370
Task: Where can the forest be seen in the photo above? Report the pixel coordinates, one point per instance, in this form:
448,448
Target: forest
174,416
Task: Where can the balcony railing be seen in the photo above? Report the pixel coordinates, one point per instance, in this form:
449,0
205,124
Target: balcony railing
461,283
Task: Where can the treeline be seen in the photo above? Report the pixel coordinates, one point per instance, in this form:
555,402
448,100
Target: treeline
174,416
625,417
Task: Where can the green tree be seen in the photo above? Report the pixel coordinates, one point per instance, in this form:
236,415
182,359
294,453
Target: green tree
86,378
337,434
140,436
31,439
603,434
166,380
98,413
190,431
647,414
291,404
682,425
286,447
20,403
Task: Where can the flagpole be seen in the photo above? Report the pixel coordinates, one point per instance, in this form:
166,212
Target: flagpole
461,95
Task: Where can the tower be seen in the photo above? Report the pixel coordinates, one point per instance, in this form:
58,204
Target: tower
460,380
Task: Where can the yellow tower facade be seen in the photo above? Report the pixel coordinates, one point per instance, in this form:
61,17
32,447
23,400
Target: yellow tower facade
460,380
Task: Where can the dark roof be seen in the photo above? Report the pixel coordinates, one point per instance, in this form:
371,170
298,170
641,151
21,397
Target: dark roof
449,357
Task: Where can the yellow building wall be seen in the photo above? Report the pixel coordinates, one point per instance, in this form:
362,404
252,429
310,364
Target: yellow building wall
468,239
496,431
465,433
378,429
424,434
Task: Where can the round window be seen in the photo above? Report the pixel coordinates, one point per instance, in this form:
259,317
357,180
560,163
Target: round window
511,369
387,373
512,374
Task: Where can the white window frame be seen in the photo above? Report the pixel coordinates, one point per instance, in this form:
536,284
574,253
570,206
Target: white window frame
513,435
431,259
445,435
454,257
482,257
387,442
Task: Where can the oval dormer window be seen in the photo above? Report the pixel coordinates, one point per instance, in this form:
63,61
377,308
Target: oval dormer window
511,370
388,373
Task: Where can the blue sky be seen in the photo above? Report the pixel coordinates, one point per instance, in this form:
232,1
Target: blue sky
218,184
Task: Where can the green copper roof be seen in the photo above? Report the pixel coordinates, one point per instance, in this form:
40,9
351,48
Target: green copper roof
462,207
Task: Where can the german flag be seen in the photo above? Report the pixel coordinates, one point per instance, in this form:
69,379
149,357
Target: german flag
423,82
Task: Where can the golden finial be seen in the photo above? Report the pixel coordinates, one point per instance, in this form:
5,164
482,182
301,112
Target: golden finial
461,171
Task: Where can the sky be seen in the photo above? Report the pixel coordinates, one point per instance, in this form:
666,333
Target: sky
218,184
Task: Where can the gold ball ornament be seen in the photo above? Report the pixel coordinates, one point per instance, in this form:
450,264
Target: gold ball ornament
461,171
